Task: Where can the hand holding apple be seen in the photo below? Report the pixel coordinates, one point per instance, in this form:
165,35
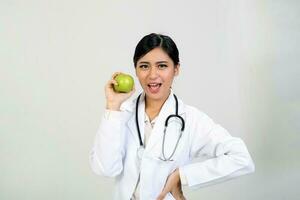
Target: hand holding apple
114,99
125,83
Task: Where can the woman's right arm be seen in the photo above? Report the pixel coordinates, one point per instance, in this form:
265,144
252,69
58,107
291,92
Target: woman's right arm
109,146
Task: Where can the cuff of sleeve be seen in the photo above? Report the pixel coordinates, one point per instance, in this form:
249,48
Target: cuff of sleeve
183,178
112,114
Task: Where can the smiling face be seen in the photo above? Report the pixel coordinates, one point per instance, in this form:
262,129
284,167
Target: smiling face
156,72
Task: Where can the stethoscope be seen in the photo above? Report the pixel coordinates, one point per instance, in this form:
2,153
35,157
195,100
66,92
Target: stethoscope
141,148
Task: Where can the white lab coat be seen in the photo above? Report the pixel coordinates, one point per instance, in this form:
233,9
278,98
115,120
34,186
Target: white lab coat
206,153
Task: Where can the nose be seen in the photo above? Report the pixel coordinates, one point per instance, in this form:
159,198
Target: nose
153,74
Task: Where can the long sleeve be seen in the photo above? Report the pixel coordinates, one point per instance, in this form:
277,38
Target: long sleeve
226,156
108,149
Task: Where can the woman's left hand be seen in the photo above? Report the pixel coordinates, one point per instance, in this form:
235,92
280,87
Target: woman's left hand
173,185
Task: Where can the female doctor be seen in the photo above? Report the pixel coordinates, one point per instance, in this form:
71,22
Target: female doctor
154,144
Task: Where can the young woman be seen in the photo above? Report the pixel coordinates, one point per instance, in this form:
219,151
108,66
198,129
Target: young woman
155,143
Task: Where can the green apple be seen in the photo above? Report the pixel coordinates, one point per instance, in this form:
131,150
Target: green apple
125,83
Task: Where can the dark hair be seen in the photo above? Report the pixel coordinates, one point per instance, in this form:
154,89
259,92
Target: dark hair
153,40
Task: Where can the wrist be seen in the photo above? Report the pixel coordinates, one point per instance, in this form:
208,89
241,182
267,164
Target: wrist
113,106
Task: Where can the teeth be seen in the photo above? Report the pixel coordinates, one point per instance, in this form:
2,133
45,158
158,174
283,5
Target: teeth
154,84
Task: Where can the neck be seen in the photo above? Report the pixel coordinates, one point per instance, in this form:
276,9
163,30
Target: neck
155,105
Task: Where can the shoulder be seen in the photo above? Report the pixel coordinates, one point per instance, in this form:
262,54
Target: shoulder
197,119
195,113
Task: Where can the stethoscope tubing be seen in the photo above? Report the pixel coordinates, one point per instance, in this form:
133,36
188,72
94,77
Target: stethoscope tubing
165,128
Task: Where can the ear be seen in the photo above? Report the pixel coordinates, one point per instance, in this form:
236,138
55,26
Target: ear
177,69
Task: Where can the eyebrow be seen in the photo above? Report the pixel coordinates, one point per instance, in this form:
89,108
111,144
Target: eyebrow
158,62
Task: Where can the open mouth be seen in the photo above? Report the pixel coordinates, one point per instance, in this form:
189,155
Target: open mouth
154,87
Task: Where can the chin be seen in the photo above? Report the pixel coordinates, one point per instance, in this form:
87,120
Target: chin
154,97
158,96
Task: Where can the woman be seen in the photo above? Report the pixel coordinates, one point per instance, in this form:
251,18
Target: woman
148,160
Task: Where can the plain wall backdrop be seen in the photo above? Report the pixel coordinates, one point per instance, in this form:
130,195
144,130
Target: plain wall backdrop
239,64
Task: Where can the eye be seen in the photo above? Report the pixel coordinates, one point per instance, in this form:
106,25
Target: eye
162,66
143,67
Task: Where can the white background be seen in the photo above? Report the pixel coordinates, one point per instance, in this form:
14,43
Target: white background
239,64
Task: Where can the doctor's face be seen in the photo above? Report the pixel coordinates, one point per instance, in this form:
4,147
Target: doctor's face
156,72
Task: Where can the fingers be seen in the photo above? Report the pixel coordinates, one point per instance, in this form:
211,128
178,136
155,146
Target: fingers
161,197
165,191
115,74
112,82
172,185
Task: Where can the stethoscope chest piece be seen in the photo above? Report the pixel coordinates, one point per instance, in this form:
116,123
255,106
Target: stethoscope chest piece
140,152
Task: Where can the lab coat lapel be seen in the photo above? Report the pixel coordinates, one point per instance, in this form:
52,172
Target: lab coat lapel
132,124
